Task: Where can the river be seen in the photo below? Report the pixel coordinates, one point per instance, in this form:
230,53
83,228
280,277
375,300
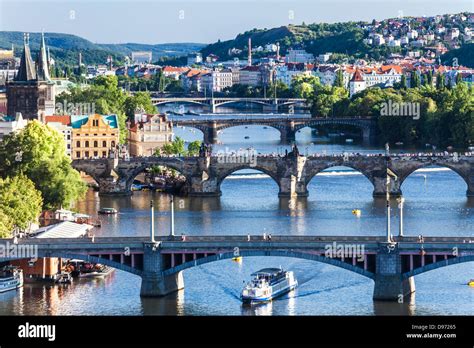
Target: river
436,204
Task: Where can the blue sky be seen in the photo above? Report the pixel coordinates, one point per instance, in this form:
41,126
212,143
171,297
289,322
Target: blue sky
160,21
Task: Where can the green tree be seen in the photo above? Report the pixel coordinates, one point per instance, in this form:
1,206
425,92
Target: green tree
38,152
176,147
339,81
415,80
20,204
139,99
194,147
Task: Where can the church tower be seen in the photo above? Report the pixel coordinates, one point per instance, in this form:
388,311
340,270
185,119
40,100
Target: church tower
31,92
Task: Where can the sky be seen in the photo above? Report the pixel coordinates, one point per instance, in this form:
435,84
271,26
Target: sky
203,21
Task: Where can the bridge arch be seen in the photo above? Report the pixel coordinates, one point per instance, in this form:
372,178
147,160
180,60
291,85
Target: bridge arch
218,103
405,174
164,102
224,174
352,166
278,253
84,257
439,264
142,167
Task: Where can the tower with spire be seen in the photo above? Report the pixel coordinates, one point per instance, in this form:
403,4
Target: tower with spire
31,92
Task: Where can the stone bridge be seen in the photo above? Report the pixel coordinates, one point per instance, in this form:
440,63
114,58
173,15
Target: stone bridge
392,266
273,103
292,174
285,125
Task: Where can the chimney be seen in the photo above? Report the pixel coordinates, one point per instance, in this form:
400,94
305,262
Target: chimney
249,62
278,52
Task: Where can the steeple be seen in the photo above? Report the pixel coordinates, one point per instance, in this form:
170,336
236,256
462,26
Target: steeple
42,64
26,72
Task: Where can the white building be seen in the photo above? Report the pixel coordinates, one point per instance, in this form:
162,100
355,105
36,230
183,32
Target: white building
62,123
357,83
299,56
9,124
217,80
286,73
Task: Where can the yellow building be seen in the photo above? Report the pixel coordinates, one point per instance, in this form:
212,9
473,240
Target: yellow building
93,136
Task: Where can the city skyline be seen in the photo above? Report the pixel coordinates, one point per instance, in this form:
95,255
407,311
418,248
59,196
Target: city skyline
193,21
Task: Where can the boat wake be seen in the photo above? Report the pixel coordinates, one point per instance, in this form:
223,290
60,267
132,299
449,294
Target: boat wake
315,292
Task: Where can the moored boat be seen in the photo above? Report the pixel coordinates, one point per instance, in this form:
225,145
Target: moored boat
107,211
11,278
267,284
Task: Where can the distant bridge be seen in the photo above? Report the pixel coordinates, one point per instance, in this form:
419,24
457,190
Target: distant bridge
287,126
292,174
390,265
213,103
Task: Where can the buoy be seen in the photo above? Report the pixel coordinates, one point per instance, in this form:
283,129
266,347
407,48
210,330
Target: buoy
356,212
471,282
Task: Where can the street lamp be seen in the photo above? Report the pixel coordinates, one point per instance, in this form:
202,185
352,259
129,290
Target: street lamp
172,216
400,201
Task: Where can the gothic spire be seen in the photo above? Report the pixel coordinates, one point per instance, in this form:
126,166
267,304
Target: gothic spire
42,64
26,72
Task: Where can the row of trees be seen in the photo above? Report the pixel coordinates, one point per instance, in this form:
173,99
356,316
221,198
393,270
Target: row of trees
446,112
178,147
35,174
108,98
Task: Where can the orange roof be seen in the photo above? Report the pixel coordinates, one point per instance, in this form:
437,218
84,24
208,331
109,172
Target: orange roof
174,69
64,119
357,77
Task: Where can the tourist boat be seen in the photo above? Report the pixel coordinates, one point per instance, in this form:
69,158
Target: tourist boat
11,278
267,284
107,211
246,137
95,271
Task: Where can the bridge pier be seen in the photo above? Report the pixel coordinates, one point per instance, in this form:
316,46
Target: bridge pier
380,186
288,134
111,186
154,283
390,285
210,133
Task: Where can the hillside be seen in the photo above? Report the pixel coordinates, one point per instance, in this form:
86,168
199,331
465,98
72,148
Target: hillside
465,56
66,47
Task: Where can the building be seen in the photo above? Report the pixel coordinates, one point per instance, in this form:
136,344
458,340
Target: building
94,136
217,80
173,72
7,59
142,57
286,73
194,58
299,56
148,133
10,124
250,76
62,123
32,91
357,83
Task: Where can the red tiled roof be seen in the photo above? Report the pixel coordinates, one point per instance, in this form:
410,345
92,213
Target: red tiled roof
64,119
357,77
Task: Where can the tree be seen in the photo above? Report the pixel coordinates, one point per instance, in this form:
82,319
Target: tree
20,204
339,80
415,80
440,82
194,147
176,147
38,152
139,99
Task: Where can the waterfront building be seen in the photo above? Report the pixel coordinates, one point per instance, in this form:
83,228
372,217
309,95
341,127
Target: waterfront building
62,123
94,136
250,76
217,80
147,133
357,83
286,73
32,91
9,124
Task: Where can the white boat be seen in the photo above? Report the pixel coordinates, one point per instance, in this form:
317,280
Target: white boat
11,278
267,284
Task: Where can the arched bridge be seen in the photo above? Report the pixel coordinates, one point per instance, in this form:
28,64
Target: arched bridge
160,264
213,103
287,126
292,174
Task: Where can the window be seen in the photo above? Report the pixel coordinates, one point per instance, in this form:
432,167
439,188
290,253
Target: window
78,143
95,123
96,154
96,143
86,154
69,137
87,143
104,144
112,144
104,153
78,154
